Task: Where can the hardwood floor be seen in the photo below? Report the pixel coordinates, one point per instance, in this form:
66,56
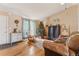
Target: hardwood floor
23,49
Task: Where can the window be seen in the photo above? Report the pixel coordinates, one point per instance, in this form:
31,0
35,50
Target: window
26,28
32,27
29,27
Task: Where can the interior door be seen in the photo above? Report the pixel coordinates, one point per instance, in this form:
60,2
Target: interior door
3,29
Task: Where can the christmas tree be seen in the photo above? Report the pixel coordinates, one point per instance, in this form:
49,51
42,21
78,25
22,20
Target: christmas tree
41,30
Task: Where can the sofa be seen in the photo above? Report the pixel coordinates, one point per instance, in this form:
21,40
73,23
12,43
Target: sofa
57,49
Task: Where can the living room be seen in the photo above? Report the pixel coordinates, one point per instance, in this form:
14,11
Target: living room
39,29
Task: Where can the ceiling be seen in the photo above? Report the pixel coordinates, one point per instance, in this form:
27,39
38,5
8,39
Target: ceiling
34,10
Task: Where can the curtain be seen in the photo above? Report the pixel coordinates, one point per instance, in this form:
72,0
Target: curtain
32,27
29,27
26,25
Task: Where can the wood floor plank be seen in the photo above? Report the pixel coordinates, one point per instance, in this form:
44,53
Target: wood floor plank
22,49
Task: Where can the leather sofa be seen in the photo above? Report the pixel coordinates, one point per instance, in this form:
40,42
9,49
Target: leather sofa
57,49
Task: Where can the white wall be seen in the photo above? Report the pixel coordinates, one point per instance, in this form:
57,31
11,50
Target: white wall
12,25
68,17
12,17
